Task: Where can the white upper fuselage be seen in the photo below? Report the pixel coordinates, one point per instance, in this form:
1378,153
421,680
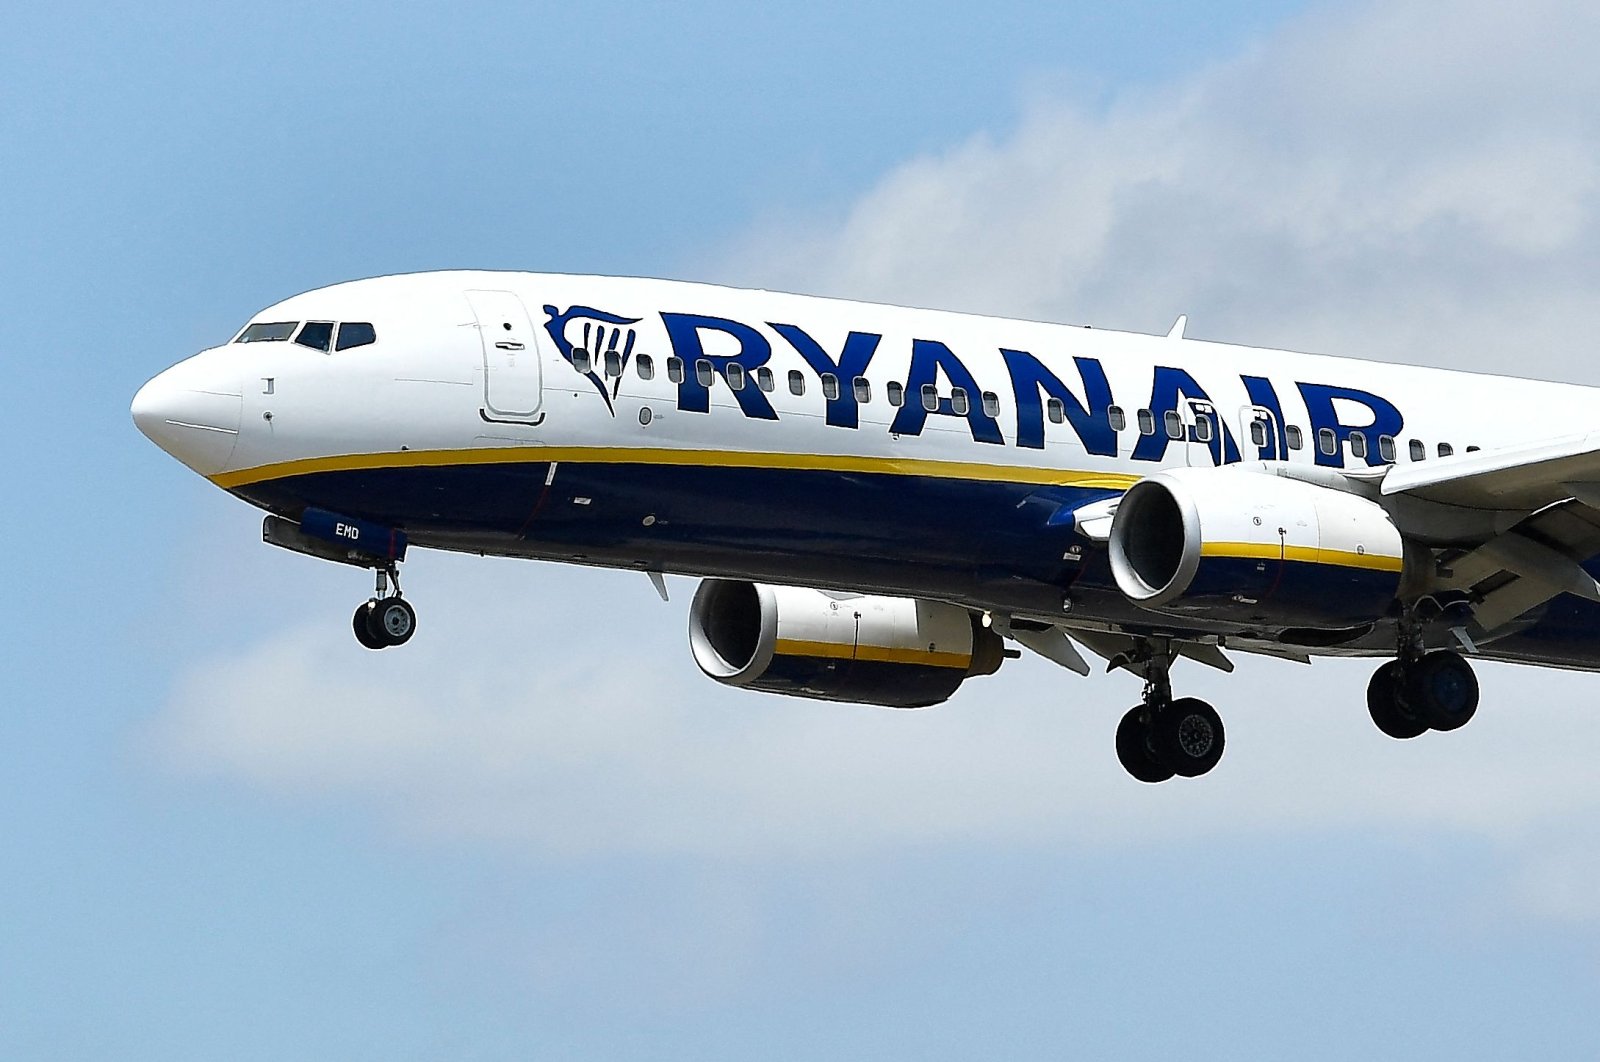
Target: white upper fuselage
435,383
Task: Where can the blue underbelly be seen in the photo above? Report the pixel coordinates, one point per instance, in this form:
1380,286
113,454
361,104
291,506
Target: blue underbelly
991,544
917,534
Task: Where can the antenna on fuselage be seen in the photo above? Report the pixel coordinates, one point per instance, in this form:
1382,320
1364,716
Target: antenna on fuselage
1178,326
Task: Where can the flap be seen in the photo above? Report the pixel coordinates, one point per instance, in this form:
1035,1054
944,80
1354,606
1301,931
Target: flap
1530,564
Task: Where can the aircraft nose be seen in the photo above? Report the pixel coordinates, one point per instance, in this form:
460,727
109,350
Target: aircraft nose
192,411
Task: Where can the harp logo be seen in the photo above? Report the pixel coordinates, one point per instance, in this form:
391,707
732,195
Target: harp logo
605,341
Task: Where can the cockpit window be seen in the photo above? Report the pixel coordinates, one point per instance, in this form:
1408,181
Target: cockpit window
267,332
316,335
355,334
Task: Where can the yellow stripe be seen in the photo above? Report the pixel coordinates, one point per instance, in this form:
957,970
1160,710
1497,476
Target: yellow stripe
883,654
620,455
1309,554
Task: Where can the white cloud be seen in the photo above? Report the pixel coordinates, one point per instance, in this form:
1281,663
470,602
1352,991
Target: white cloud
1384,181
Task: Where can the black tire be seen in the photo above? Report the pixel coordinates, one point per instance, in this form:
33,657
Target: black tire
392,621
1133,748
1442,689
1188,736
1387,707
361,622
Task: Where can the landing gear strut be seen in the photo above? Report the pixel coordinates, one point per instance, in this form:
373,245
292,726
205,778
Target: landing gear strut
1420,691
1162,737
385,619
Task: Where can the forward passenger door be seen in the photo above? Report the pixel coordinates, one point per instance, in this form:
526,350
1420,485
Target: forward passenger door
512,390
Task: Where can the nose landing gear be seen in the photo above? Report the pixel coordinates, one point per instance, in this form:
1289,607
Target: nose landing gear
385,619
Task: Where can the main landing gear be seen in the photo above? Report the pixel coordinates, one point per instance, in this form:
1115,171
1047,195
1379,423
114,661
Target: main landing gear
385,619
1420,691
1162,737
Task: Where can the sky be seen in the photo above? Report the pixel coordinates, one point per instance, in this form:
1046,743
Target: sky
537,831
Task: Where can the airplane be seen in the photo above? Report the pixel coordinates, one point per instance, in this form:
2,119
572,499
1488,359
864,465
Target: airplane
884,502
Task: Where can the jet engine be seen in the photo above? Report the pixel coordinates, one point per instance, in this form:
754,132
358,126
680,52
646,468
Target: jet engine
890,651
1244,546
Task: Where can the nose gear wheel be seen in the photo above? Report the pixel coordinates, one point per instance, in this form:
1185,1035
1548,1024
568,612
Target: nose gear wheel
385,620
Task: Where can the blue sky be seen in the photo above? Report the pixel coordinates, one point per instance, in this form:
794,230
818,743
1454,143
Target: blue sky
224,831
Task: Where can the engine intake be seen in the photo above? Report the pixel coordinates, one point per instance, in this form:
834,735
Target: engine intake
889,651
1251,547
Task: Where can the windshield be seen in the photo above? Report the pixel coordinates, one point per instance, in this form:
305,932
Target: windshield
316,335
266,332
355,334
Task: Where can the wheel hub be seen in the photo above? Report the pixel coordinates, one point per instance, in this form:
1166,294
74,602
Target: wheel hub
1195,735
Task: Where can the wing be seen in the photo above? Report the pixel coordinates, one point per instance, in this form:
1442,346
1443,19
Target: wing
1520,478
1555,483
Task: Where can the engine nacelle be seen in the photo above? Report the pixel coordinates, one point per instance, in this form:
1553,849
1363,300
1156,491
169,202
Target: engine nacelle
890,651
1244,546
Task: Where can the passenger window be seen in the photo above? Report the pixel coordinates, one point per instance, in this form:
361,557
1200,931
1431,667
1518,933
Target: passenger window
675,369
1291,435
645,365
1147,422
1445,449
1202,428
318,335
267,332
1055,411
1419,452
1386,448
580,359
863,389
930,398
1358,444
958,401
991,404
613,364
797,382
896,392
1327,441
1116,417
830,386
735,376
1473,449
355,334
1174,424
764,379
1258,432
703,372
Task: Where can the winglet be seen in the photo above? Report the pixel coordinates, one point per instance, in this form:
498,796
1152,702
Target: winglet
1178,326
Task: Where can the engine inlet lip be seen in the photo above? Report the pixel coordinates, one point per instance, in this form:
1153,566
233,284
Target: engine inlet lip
1126,563
704,614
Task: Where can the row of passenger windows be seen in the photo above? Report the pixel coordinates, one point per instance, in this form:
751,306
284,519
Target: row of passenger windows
1328,442
960,403
763,379
318,335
